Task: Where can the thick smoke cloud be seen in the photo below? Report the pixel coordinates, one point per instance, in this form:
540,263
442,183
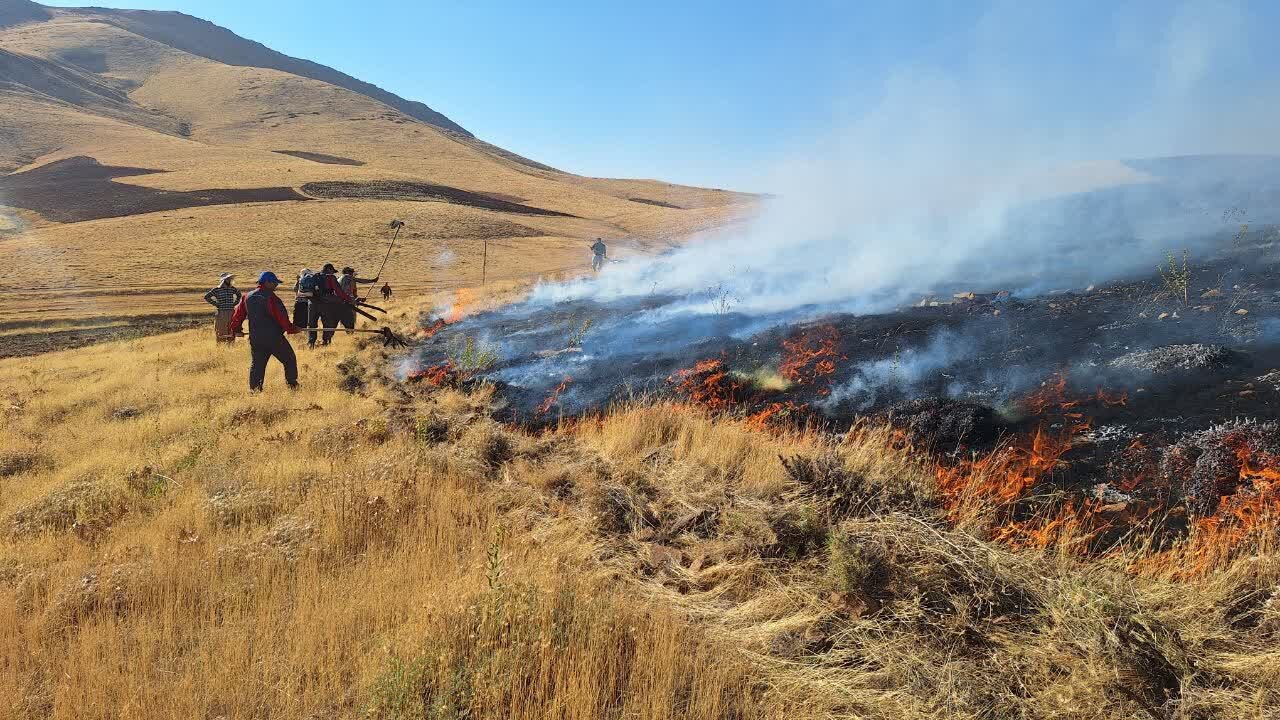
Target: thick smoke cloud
979,177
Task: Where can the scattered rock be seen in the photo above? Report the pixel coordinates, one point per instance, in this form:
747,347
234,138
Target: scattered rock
1242,311
964,296
125,413
1163,316
1171,358
1214,293
1272,378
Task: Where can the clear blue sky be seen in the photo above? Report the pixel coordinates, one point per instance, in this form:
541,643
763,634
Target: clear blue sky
714,92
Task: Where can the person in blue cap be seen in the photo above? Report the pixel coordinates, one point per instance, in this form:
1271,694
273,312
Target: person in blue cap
268,326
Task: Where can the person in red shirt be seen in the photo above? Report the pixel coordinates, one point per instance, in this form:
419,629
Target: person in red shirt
268,326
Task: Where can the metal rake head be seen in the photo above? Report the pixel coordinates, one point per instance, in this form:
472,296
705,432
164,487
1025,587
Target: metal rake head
391,339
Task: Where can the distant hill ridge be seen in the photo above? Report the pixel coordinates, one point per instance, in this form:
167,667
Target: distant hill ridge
14,12
207,40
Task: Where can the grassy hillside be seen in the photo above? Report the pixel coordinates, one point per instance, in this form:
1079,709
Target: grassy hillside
172,547
208,112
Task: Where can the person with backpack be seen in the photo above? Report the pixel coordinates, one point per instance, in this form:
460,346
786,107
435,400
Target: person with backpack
328,304
301,299
268,326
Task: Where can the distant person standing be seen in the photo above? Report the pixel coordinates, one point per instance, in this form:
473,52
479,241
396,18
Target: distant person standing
598,255
386,291
224,299
268,326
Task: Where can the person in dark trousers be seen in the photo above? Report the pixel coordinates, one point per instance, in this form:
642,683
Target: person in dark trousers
224,299
348,282
386,291
598,253
327,305
268,326
301,300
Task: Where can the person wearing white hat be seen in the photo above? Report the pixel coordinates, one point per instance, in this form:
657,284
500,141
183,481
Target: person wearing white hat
224,299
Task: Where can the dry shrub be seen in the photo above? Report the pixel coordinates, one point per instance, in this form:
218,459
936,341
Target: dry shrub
90,507
490,445
242,506
112,590
432,429
1099,653
16,462
842,492
517,653
619,510
916,576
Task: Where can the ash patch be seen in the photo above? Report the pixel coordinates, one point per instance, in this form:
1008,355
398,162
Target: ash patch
943,423
80,188
1175,358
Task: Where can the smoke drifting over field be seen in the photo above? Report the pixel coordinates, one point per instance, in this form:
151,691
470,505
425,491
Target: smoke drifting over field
954,177
959,180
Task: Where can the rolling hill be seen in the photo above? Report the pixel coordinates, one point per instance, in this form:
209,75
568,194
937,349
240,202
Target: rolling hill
145,152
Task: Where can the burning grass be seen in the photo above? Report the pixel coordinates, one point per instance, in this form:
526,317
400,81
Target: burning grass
663,559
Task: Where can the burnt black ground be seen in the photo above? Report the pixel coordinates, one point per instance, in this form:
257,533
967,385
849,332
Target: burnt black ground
992,351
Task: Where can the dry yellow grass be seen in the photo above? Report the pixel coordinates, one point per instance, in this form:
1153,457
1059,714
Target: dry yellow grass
172,547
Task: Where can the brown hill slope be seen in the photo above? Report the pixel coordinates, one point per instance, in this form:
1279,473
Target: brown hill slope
200,127
14,12
203,38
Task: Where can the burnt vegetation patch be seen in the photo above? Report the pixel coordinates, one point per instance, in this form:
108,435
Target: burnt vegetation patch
320,157
658,203
419,192
80,188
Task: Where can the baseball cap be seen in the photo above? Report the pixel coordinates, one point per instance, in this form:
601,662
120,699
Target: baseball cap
268,277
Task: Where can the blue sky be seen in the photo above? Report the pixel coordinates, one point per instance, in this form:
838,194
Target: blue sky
718,93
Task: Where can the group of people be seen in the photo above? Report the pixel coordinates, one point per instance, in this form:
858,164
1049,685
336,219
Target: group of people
323,301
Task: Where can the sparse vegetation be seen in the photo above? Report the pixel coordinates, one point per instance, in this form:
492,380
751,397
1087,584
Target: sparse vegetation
470,356
1177,277
580,332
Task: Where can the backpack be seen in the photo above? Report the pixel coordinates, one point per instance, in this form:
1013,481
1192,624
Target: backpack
312,283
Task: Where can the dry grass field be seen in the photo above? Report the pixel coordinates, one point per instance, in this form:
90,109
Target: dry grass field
173,547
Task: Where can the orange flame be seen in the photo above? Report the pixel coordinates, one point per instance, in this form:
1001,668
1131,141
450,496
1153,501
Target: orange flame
773,414
442,375
463,299
812,356
708,384
554,397
435,327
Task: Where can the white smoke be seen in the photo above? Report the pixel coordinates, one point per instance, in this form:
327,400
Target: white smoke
945,182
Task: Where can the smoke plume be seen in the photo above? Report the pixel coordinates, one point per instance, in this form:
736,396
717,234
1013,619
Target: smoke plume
981,177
